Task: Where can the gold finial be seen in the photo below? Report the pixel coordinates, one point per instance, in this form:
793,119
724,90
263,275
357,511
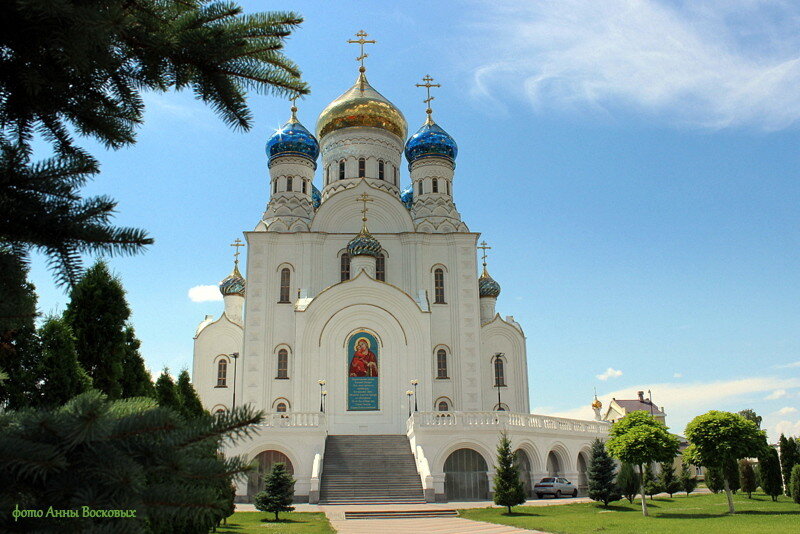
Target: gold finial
427,85
484,247
238,243
294,108
364,198
361,41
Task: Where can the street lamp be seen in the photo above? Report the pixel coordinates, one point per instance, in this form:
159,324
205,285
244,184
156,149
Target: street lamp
497,378
409,393
321,385
414,383
235,356
324,396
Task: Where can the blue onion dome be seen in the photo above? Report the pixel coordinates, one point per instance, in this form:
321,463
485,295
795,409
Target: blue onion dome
233,284
364,244
407,196
292,139
316,196
487,287
431,141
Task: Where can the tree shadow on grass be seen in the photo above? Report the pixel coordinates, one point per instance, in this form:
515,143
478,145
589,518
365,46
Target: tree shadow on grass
763,512
283,521
616,508
519,514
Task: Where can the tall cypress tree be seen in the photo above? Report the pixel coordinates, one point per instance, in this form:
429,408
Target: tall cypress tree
508,487
667,480
687,480
788,453
602,473
628,481
63,377
188,398
770,469
167,393
747,476
135,380
98,312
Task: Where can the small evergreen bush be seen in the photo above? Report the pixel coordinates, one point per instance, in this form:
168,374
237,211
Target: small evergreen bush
747,476
651,483
794,484
601,475
278,491
688,481
628,482
667,480
508,488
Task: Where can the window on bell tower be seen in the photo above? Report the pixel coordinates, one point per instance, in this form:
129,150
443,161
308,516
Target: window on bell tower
285,279
283,364
380,267
438,286
420,187
499,372
362,167
435,185
345,267
381,169
341,170
441,363
304,186
288,183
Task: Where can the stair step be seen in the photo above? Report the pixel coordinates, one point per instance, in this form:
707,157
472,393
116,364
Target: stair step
400,514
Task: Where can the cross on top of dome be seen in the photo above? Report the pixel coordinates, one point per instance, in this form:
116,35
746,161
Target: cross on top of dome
361,41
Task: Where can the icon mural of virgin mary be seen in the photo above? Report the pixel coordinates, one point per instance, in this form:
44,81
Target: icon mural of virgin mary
364,362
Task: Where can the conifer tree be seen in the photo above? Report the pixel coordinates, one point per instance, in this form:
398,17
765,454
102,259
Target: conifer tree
97,313
789,458
770,468
747,477
135,380
167,392
628,481
687,480
602,473
651,482
667,480
715,479
63,377
508,487
278,491
794,483
731,473
187,396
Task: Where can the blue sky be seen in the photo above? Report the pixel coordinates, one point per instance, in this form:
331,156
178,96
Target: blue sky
633,164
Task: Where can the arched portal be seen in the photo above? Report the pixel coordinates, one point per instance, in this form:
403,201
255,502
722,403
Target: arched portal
524,467
465,476
266,459
554,468
583,473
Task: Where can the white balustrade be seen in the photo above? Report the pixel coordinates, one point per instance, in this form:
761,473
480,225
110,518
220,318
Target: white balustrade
505,419
293,420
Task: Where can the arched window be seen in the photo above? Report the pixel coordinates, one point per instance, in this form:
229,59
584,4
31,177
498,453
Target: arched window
380,169
341,169
443,407
288,183
501,407
420,187
327,175
275,186
438,286
283,363
281,407
380,267
448,187
222,373
395,174
441,363
220,411
285,278
304,186
435,185
362,167
345,267
499,372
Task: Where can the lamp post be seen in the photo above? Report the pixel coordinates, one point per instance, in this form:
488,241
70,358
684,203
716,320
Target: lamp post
235,356
497,383
414,383
408,394
321,385
325,397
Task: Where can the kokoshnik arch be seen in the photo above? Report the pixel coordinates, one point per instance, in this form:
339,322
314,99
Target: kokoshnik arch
345,324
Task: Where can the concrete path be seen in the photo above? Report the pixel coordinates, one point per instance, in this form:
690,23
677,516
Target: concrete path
438,525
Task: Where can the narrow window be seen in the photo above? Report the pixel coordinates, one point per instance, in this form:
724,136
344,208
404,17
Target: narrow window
499,373
448,187
275,186
281,407
327,175
222,373
288,183
341,170
285,277
438,286
304,186
362,167
283,363
395,174
380,169
443,407
420,187
435,185
345,267
380,267
441,363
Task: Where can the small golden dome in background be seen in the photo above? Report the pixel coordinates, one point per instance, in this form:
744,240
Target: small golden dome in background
597,404
361,105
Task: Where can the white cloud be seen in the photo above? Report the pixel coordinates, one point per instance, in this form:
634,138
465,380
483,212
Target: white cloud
713,66
788,365
677,375
777,394
788,428
609,373
204,293
787,410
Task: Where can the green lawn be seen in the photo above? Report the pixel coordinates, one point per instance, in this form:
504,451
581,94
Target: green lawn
706,514
250,522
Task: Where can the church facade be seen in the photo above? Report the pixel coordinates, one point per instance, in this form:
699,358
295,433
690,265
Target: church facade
363,313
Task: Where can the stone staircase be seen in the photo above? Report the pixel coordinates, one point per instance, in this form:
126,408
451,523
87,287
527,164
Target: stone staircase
369,470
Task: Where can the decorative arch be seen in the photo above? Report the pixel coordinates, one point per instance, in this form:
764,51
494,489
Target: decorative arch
557,460
438,463
219,407
440,266
281,400
582,467
264,461
436,404
465,475
283,265
524,467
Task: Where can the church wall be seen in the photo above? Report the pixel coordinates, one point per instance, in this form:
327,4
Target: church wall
499,336
219,338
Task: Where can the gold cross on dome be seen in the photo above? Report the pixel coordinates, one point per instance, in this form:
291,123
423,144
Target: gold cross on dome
294,106
238,243
427,85
361,41
483,246
364,198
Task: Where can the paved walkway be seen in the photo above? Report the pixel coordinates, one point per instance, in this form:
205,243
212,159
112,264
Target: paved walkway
433,525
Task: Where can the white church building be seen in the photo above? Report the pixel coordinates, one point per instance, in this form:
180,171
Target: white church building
365,327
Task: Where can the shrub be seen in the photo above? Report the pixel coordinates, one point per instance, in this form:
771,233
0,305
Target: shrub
628,482
508,488
747,477
651,484
667,480
278,492
688,482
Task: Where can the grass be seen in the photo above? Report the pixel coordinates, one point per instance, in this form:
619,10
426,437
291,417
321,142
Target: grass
251,522
706,514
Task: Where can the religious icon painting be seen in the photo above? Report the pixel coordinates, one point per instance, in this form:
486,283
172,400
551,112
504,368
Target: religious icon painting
362,372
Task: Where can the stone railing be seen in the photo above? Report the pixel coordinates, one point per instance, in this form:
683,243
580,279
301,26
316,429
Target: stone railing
294,420
505,419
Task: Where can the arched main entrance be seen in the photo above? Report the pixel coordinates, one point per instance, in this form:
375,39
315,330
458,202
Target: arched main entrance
583,473
266,459
554,468
524,468
465,476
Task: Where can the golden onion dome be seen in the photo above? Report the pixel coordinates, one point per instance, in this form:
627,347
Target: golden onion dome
363,106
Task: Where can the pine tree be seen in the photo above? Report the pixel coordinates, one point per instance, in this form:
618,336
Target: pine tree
602,473
278,491
770,469
628,481
167,392
747,477
97,313
508,487
135,380
789,458
667,480
651,484
128,454
187,396
63,377
794,483
687,480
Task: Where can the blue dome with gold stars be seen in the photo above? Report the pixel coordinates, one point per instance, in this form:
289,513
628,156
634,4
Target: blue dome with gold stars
431,141
292,139
487,287
364,244
316,196
233,284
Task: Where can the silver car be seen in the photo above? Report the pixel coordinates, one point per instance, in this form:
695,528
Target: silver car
555,486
